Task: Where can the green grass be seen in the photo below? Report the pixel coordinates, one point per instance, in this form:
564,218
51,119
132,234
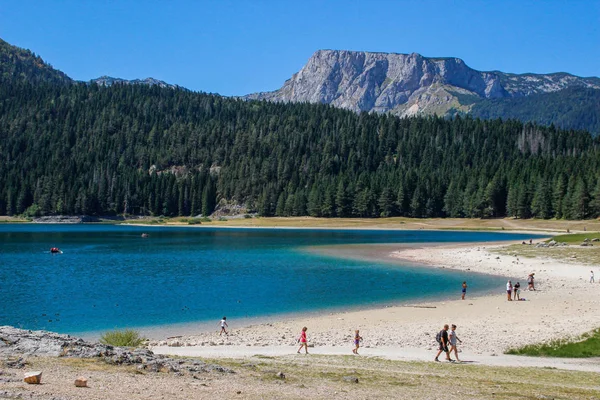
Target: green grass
122,338
576,238
588,345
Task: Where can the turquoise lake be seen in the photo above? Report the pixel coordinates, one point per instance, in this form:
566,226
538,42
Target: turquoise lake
110,277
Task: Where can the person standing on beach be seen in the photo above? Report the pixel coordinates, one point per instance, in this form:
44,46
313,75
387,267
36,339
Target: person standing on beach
591,276
443,341
452,337
509,290
517,291
464,289
302,340
223,326
357,339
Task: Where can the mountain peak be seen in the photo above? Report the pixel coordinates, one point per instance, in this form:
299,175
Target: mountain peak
407,84
106,80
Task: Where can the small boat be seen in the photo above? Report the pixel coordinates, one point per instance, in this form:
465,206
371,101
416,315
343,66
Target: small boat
55,250
145,235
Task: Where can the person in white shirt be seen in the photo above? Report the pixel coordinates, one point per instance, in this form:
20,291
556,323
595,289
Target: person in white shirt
223,326
592,277
509,289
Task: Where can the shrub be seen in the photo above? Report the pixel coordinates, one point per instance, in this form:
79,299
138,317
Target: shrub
122,338
194,221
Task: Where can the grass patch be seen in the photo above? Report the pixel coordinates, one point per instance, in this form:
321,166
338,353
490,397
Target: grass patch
122,338
588,345
576,238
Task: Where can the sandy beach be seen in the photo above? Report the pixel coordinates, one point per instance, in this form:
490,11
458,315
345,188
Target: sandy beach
564,305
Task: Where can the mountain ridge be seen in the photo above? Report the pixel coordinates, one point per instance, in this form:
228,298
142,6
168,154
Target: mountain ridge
408,84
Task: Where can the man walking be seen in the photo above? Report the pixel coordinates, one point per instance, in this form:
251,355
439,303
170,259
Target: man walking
592,277
442,338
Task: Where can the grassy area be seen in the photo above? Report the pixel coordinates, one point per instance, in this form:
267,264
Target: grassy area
318,377
506,224
588,345
577,238
122,338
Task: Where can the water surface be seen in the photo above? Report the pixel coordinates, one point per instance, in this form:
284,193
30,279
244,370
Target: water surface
110,277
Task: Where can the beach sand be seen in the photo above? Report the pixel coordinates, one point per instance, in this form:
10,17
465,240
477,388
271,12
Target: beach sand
565,305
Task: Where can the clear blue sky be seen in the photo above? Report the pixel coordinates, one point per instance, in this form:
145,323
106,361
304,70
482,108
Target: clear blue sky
240,47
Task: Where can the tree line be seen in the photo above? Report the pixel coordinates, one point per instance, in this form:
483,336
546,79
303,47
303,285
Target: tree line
136,149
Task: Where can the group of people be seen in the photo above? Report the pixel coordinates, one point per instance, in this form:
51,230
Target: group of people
513,292
304,341
447,343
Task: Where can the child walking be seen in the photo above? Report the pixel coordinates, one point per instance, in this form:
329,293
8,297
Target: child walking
302,340
357,339
223,326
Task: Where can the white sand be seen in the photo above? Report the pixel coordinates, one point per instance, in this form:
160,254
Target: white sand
564,305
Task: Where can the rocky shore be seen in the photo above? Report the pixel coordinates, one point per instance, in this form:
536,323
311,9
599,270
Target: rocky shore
19,348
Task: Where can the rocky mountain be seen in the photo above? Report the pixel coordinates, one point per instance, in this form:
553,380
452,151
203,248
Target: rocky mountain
409,84
108,81
17,64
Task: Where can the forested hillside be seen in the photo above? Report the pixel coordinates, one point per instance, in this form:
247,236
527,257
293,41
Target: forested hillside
87,149
18,64
576,108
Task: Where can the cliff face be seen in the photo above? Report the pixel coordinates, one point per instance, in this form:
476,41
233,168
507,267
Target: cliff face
407,84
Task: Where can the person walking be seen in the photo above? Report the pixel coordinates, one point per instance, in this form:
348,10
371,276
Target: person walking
357,339
442,339
464,289
452,338
303,341
509,290
223,326
530,283
592,277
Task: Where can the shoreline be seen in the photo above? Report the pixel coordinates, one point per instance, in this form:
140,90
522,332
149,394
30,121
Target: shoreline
564,307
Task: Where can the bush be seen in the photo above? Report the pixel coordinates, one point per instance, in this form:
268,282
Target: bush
122,338
194,221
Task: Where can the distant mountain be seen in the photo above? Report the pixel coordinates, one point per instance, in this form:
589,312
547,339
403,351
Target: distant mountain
109,81
17,64
409,84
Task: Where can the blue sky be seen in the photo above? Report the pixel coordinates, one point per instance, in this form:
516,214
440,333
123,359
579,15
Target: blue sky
240,47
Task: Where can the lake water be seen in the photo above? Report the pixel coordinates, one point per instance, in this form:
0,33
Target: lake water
110,277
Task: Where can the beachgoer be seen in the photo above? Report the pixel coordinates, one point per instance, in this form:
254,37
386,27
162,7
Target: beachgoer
357,339
302,340
509,290
517,291
464,289
443,336
530,284
530,241
592,277
223,326
452,338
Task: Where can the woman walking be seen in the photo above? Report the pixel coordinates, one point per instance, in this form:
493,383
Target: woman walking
452,338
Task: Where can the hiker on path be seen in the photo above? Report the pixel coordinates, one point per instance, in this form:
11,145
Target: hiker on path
442,338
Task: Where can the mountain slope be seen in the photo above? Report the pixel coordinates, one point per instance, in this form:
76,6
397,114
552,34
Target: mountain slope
17,64
573,108
409,84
